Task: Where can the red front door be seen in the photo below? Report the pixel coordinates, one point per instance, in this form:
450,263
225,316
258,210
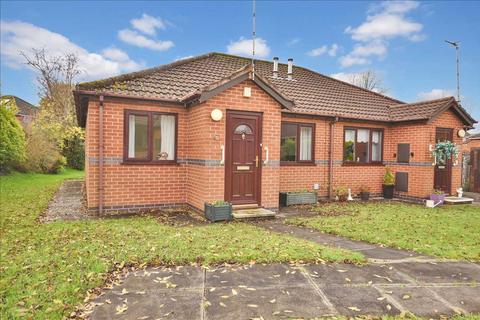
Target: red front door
443,169
243,157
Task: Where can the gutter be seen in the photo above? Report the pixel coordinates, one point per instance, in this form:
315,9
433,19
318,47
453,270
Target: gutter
100,156
330,158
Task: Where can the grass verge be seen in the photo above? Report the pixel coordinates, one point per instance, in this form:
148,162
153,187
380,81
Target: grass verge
48,268
447,231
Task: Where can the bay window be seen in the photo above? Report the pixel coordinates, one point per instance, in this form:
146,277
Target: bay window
297,142
150,137
362,145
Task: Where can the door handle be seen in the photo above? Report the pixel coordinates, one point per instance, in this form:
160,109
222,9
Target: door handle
256,161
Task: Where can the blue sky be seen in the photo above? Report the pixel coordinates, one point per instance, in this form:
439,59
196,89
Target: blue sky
402,41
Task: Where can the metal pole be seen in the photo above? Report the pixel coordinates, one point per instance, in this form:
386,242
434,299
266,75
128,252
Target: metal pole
253,40
458,73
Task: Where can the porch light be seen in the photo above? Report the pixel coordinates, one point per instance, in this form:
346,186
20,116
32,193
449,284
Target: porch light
216,115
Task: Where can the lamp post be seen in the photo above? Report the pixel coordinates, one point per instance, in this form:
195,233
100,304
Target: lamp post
456,45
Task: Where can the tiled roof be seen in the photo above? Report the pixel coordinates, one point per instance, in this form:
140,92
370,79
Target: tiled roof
311,92
24,108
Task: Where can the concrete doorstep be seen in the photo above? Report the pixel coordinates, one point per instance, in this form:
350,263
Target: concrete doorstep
284,291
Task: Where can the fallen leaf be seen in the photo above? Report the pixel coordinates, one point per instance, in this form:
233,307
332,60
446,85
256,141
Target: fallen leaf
223,304
252,305
234,292
273,300
406,297
354,308
121,309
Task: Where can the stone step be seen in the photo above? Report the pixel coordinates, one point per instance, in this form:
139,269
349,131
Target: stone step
252,213
457,200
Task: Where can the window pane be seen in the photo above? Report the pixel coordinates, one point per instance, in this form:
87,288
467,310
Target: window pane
137,136
349,145
288,145
362,145
163,137
306,143
376,146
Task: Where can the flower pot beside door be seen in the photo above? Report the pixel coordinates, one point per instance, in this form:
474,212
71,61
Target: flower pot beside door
388,184
218,211
438,196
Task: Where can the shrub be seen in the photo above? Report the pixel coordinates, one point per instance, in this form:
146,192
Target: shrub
388,178
342,193
12,139
43,154
73,148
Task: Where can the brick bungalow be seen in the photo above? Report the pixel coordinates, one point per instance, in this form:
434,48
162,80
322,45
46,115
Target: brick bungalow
471,163
214,128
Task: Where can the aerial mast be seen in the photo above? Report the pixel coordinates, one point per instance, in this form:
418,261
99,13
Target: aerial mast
456,45
254,16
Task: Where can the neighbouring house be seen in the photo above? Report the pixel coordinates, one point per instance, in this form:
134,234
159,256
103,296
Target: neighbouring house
26,111
471,162
214,127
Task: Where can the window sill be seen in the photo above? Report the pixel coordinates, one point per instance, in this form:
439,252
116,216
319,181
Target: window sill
297,164
153,163
359,164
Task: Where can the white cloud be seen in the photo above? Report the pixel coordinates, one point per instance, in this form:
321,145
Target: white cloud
148,24
318,51
345,76
332,52
370,49
244,47
18,36
384,26
349,60
385,21
183,58
398,6
293,42
435,94
134,38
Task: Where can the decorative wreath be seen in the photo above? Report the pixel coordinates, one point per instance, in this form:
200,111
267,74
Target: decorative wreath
445,150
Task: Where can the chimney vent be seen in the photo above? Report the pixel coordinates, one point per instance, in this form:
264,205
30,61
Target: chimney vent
275,67
290,69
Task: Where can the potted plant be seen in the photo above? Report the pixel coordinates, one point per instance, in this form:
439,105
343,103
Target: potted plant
443,151
341,193
218,210
388,184
364,193
302,196
437,196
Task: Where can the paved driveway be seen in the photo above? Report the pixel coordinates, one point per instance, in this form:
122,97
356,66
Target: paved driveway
280,291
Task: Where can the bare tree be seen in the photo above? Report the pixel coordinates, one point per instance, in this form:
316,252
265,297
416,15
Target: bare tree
369,80
55,79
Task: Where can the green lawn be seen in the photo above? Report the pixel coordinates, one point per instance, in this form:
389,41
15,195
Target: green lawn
447,231
46,269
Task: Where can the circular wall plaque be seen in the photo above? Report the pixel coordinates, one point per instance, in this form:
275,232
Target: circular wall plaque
216,114
461,133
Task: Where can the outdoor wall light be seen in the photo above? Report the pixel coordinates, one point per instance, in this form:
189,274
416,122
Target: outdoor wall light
216,115
461,133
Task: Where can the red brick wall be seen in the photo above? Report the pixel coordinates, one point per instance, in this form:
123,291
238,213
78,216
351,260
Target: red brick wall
419,135
200,140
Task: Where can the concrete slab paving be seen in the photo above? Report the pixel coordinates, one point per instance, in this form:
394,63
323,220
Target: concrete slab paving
281,291
346,274
359,301
441,272
270,303
421,301
467,298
